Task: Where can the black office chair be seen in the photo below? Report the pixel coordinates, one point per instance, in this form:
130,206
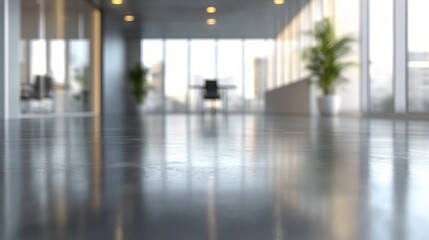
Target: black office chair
211,91
43,87
43,92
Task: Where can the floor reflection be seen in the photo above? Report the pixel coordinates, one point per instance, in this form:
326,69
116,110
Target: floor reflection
214,177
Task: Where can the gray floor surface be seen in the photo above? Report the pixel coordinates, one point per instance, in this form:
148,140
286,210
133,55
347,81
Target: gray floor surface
214,177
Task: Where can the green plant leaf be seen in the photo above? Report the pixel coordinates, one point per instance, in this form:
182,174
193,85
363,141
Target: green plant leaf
323,60
138,76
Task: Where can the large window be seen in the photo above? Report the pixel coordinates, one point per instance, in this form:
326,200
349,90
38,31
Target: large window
177,67
381,55
287,56
306,26
203,66
295,42
280,56
257,54
230,72
293,39
176,75
411,90
57,62
418,56
38,62
153,59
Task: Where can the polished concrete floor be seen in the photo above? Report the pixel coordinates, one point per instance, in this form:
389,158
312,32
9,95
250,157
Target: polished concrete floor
214,177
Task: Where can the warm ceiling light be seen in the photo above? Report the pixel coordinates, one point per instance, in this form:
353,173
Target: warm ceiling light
117,2
129,18
211,9
211,21
279,2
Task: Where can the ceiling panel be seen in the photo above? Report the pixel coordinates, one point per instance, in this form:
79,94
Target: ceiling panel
187,18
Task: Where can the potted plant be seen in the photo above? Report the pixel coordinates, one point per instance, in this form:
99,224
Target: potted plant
83,76
325,64
137,75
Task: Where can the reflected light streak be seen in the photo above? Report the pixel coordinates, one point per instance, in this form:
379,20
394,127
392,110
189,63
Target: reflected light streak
278,221
61,207
119,231
129,18
9,216
211,209
96,61
96,170
211,21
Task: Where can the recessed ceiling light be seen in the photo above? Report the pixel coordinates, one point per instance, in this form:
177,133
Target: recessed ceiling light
211,9
117,2
279,2
129,18
211,21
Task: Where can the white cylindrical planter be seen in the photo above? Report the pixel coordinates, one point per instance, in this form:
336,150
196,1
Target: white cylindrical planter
329,105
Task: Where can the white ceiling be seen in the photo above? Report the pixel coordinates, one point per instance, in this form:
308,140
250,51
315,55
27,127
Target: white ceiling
187,18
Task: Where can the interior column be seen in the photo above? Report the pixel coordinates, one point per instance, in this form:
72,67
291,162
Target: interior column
9,59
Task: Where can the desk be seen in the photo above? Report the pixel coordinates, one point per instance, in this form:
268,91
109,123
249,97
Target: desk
222,88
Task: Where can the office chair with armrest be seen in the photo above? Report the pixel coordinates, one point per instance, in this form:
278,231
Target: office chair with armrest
43,87
43,92
211,91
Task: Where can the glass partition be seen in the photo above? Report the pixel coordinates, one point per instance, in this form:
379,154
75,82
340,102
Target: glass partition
56,69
